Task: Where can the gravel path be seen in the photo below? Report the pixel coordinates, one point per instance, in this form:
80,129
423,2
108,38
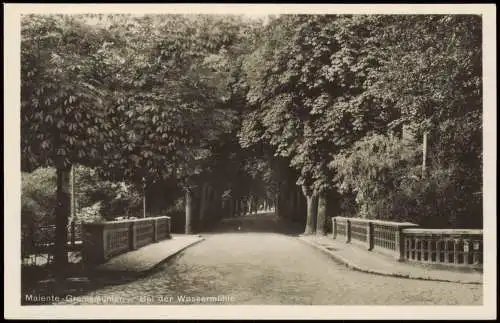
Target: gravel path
236,266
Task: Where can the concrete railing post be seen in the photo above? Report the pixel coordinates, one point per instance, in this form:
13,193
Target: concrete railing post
169,227
155,230
369,235
93,244
347,231
334,228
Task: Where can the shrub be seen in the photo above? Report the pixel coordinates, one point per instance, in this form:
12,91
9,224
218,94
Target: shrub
38,196
96,200
117,199
386,178
372,170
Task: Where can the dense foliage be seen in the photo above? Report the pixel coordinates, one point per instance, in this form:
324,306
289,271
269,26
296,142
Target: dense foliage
334,90
386,176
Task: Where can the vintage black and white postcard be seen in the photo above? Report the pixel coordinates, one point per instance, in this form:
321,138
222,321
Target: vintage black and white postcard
250,161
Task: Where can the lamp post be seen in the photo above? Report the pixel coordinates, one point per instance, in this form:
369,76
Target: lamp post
143,197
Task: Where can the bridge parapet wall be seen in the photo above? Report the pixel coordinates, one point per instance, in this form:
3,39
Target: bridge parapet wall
104,240
406,242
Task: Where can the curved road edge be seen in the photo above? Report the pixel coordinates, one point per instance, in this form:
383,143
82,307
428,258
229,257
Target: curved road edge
350,264
147,259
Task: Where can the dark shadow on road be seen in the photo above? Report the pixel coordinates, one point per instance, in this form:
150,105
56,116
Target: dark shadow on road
258,224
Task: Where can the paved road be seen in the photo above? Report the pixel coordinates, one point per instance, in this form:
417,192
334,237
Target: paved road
244,263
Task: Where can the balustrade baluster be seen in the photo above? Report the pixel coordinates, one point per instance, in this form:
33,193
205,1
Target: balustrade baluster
430,253
467,253
423,249
446,252
475,253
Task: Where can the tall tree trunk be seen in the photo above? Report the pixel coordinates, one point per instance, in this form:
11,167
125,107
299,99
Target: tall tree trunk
285,203
293,204
236,207
73,205
322,208
223,208
312,210
189,211
63,211
299,212
230,204
203,204
424,155
211,208
143,198
277,207
144,203
215,210
255,205
242,207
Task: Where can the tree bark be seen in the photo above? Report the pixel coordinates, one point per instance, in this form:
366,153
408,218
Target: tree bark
216,209
242,207
424,155
277,208
189,211
321,222
203,204
236,208
285,203
144,201
230,204
299,213
63,211
73,205
293,204
312,210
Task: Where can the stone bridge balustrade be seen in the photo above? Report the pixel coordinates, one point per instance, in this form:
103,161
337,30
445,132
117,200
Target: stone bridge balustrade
404,241
380,236
105,240
456,247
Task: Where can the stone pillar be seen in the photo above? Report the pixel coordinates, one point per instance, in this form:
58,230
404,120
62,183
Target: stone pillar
93,244
347,231
455,251
155,230
169,228
369,236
